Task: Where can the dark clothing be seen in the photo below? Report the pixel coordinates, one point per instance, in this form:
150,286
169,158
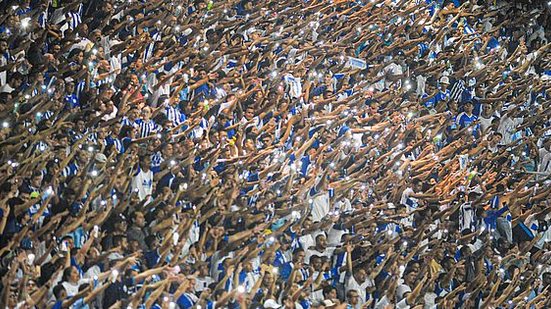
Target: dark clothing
113,293
136,233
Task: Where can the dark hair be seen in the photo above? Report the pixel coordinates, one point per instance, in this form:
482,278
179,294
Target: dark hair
348,294
297,250
66,273
57,290
117,240
149,240
327,289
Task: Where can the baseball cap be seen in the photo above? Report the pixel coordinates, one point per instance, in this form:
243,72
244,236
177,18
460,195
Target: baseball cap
101,158
328,303
270,303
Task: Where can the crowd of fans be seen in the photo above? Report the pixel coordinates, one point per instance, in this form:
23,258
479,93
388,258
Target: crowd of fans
274,154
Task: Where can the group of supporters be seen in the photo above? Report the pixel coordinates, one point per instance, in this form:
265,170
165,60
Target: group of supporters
274,154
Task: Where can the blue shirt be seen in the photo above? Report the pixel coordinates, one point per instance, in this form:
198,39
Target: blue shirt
185,302
464,120
440,96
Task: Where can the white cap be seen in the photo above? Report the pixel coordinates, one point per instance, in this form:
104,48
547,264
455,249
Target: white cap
445,80
101,158
328,303
270,303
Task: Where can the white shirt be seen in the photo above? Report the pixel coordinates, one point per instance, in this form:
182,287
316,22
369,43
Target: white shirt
72,289
485,123
143,184
352,284
3,74
320,206
406,196
201,283
544,164
421,81
306,241
310,252
507,127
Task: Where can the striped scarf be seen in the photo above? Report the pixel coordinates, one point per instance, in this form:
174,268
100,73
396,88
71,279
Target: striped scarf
457,90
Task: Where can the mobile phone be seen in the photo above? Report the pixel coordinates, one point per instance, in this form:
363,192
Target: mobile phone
47,193
30,259
64,247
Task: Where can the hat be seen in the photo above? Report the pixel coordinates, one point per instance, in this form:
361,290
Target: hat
278,224
26,244
75,208
328,303
445,80
35,194
270,303
101,158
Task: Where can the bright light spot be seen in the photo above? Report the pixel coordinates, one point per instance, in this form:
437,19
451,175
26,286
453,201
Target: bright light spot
24,23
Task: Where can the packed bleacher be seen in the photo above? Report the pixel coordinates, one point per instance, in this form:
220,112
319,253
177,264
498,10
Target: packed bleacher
275,154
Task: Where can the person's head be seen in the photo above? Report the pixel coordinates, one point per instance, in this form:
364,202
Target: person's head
248,266
59,292
321,242
133,245
152,242
146,113
409,277
546,278
465,251
266,140
315,262
487,110
417,185
353,297
444,83
448,262
249,113
96,36
71,275
120,241
168,150
36,179
468,107
120,225
138,219
360,275
145,162
329,292
452,106
298,255
415,266
3,46
268,279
